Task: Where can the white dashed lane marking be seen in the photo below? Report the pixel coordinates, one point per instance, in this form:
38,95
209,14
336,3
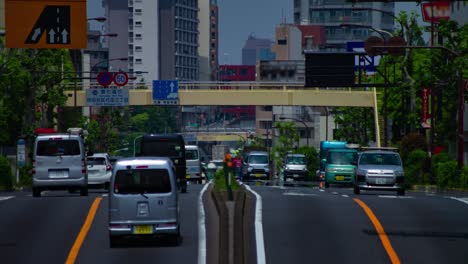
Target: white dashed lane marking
4,198
461,199
396,197
299,194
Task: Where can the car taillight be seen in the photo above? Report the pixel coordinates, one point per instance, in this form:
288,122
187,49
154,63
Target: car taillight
142,167
108,168
116,188
83,166
172,224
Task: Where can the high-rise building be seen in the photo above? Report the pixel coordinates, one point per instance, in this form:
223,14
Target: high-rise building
160,38
214,37
178,23
256,49
458,11
333,13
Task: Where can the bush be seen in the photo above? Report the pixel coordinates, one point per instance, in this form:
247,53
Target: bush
415,168
411,142
6,179
220,181
464,178
312,159
447,174
25,177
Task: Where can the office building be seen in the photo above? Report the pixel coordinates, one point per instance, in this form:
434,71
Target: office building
256,49
333,13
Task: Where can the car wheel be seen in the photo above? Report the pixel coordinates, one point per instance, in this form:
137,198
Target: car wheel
401,192
114,241
84,191
327,185
36,192
357,190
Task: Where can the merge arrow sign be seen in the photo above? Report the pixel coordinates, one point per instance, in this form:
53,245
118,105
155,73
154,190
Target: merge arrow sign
50,24
55,20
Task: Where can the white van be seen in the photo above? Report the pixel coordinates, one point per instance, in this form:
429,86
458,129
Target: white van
193,163
59,163
143,200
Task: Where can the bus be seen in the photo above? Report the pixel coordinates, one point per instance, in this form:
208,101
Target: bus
167,145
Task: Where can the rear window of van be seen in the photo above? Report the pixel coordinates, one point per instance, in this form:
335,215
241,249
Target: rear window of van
142,181
67,147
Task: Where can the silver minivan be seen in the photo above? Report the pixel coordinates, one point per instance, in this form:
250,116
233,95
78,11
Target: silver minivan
295,167
59,163
143,200
193,163
256,165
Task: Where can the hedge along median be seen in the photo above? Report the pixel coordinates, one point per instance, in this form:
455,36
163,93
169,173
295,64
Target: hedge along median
6,177
234,218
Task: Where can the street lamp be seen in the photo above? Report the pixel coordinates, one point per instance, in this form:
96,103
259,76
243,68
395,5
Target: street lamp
109,60
98,19
301,121
390,14
379,31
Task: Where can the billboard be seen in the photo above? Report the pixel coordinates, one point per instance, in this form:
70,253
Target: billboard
329,69
435,11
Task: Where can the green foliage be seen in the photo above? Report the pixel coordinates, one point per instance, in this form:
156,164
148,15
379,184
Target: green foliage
312,159
447,174
6,178
464,178
411,142
288,137
25,176
416,168
220,181
355,125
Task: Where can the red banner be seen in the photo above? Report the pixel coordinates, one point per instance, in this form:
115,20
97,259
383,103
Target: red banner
425,96
436,11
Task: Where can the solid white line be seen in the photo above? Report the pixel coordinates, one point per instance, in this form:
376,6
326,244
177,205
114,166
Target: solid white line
395,197
299,194
202,227
258,228
463,200
4,198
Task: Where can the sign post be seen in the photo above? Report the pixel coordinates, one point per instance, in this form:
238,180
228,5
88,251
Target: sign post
20,156
51,24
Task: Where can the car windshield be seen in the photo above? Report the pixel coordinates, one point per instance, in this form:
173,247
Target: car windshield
142,181
380,159
341,158
96,161
58,148
295,160
258,159
191,154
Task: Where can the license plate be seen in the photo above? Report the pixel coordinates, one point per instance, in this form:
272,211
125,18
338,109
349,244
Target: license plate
58,174
143,229
258,175
380,181
295,175
339,178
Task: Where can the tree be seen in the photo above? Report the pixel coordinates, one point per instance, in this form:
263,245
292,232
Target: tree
288,137
355,125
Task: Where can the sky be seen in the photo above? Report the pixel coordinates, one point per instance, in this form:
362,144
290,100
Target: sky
240,18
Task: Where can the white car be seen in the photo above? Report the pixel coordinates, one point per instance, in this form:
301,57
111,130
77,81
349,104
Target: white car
99,169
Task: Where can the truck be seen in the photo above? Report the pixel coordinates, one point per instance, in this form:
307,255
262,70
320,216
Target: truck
336,162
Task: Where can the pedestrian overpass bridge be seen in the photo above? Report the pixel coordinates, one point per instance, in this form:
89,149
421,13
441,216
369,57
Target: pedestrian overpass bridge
247,93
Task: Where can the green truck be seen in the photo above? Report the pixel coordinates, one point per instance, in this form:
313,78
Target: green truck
337,163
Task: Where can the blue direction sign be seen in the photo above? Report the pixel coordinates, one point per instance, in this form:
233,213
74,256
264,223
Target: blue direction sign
165,92
368,64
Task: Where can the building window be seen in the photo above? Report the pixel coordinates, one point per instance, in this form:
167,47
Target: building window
138,36
138,48
282,41
138,23
138,61
138,11
243,72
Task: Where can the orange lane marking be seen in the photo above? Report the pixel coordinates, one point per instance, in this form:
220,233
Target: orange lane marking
83,232
382,235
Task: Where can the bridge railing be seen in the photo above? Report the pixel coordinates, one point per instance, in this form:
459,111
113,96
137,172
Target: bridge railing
184,85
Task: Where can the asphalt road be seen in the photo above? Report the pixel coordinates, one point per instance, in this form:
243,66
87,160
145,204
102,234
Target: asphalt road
44,230
313,225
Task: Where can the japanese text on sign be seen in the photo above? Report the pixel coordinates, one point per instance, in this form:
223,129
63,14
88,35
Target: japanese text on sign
107,97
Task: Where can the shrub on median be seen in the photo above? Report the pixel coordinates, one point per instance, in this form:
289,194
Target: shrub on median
6,178
416,168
